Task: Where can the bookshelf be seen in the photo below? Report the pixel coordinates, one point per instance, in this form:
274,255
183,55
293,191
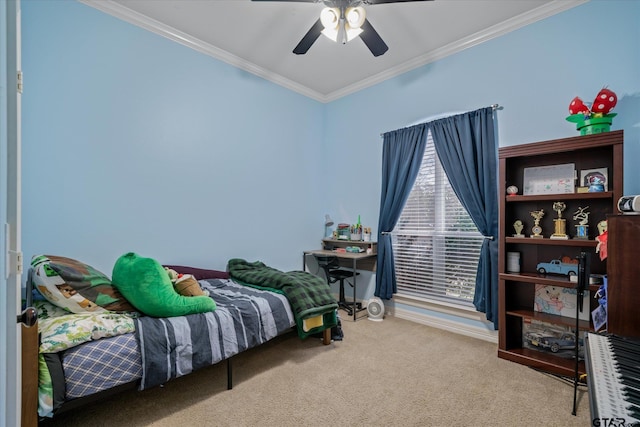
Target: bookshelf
517,290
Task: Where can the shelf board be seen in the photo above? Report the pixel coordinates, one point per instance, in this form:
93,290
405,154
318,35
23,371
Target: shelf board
542,279
543,360
550,318
562,145
353,242
583,243
563,196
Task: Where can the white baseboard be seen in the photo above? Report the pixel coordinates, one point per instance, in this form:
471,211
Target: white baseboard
447,325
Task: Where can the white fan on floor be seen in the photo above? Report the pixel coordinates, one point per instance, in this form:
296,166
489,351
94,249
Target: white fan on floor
375,309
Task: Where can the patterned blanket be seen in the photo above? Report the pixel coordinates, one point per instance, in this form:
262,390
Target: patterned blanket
309,295
244,318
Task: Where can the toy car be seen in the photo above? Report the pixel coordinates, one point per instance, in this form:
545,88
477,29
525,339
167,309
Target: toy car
555,266
551,342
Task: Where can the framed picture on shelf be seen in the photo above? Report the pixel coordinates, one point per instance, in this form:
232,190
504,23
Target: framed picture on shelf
594,177
550,338
560,301
555,179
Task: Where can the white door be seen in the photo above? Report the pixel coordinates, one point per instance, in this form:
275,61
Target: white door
10,195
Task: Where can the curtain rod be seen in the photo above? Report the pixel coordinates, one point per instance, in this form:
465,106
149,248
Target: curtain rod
493,106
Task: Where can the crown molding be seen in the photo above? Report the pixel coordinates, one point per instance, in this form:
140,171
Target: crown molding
124,13
117,10
480,37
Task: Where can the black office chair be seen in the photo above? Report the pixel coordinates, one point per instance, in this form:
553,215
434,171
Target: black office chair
334,274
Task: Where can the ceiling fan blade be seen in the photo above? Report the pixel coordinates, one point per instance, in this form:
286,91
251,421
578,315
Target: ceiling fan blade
388,1
372,39
309,38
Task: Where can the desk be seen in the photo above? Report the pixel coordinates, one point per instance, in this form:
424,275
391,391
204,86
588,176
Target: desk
350,257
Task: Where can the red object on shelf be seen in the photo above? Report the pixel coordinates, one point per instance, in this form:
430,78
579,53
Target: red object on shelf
602,245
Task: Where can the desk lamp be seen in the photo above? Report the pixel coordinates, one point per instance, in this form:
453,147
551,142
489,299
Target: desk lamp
328,222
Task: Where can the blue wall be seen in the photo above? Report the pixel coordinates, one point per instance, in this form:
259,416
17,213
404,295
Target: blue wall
533,73
132,142
135,143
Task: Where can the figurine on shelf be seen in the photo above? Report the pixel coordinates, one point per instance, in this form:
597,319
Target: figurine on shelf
512,190
596,119
582,227
560,223
518,226
536,229
602,238
596,184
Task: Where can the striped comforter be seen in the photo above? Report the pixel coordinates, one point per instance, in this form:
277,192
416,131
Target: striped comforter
245,317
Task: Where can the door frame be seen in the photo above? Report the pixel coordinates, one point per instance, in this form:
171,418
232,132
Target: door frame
10,216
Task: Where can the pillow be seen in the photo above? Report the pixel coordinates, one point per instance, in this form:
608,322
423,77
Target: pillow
146,284
75,286
199,273
63,332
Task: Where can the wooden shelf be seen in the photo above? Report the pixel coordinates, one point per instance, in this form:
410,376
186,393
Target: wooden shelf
368,263
583,243
517,291
351,242
550,318
543,360
562,196
542,279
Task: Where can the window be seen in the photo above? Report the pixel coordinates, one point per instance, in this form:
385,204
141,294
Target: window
436,245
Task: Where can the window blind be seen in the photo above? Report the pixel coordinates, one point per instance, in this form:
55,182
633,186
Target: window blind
436,245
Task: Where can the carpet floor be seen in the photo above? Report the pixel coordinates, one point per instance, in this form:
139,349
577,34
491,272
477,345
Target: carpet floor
389,373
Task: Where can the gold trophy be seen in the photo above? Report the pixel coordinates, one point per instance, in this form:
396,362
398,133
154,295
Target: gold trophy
537,216
560,223
518,226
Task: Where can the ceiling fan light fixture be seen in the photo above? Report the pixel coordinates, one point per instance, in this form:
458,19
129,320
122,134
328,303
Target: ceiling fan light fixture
330,18
352,33
355,17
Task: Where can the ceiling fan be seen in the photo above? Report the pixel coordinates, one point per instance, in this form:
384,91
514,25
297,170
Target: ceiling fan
342,21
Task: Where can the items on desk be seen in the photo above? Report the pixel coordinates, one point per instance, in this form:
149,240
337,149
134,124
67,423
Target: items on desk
356,231
366,235
359,233
344,231
353,232
328,222
354,249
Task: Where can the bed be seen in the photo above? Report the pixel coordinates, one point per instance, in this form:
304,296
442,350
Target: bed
85,355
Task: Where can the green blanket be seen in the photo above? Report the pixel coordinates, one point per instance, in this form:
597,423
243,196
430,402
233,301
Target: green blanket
309,295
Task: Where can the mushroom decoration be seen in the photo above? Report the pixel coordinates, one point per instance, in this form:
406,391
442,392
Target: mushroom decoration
596,119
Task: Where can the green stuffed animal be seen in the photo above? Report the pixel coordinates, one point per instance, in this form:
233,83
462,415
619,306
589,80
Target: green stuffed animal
147,286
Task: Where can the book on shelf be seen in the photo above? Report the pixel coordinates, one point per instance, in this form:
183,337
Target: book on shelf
551,338
560,300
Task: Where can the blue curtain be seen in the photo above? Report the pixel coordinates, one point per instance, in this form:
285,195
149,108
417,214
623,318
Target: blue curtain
467,149
401,157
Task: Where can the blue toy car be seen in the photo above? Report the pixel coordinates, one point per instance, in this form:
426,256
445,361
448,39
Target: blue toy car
557,267
551,342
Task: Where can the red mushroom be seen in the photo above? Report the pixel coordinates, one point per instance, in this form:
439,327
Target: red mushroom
605,101
577,106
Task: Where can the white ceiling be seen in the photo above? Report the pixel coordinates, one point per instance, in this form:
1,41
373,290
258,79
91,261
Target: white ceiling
259,36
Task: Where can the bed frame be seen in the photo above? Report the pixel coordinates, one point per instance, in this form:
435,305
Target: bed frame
30,351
